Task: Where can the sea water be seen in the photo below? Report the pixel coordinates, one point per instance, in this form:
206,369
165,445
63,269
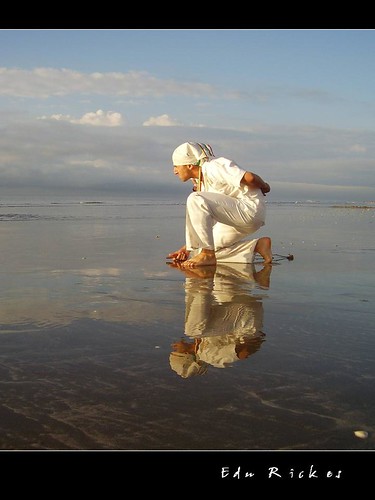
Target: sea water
91,312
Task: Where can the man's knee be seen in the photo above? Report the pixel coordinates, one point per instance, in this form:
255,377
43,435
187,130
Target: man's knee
193,200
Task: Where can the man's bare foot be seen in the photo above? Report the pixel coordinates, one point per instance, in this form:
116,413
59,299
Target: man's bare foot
263,247
204,258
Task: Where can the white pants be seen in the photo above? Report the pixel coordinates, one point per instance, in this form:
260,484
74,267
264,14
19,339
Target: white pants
219,222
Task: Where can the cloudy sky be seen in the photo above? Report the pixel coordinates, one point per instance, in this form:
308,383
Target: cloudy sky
104,109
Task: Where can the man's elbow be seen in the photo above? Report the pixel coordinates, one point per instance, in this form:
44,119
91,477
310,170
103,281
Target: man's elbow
248,179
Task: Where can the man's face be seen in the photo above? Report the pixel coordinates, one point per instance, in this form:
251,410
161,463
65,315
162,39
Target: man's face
183,172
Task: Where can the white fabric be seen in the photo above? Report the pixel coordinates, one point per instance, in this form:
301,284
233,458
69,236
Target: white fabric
219,222
224,176
241,252
191,153
224,213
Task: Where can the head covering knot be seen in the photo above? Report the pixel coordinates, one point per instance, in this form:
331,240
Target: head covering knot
192,153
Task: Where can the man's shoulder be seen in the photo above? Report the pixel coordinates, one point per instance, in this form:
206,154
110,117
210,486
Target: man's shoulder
225,165
221,161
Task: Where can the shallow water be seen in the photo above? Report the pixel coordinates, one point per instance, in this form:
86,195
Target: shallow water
90,312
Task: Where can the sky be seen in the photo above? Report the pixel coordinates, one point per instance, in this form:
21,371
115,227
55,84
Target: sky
104,109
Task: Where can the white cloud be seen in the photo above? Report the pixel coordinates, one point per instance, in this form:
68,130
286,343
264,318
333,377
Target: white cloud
97,118
108,119
97,163
358,148
161,121
297,161
46,82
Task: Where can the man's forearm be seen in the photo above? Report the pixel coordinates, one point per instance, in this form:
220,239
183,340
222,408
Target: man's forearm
255,181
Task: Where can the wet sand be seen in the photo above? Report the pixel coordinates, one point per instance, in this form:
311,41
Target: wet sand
90,311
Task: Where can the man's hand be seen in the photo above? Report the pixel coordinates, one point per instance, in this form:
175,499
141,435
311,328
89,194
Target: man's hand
179,255
266,189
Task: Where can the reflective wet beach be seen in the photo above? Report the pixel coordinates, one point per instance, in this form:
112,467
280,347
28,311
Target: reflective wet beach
91,313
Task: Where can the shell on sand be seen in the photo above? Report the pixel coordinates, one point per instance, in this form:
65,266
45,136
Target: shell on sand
361,434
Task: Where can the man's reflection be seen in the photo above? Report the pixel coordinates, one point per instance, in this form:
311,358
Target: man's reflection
223,319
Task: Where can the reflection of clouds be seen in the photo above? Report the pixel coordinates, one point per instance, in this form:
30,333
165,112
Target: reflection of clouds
56,298
223,319
156,274
107,271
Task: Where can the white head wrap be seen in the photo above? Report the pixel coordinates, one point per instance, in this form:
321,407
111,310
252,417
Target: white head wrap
192,153
185,364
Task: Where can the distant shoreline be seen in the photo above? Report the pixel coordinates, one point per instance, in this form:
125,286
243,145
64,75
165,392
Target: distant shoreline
367,207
